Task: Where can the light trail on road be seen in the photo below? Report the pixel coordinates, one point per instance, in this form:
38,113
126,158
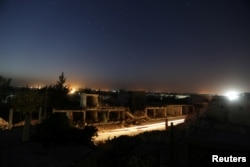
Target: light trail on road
131,131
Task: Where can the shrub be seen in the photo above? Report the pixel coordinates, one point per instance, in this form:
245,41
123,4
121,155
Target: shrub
57,129
83,136
197,125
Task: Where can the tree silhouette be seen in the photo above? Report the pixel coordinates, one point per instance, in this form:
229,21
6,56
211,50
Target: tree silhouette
27,101
4,88
61,82
137,101
58,93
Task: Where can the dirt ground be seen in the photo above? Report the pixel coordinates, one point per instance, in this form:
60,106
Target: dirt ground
32,154
14,153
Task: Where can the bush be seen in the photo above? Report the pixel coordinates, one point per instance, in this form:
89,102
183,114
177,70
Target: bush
57,130
197,126
83,136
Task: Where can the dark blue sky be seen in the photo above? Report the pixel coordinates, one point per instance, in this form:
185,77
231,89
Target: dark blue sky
169,45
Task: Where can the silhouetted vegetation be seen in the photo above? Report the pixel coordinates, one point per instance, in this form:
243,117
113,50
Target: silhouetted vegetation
5,88
26,102
57,130
143,150
57,96
137,101
58,93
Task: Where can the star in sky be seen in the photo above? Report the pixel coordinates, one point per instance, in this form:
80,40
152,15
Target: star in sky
182,46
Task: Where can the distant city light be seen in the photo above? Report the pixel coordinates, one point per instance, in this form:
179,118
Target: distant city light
232,95
72,91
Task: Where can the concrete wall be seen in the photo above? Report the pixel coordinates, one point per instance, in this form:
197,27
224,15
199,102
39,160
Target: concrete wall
89,100
174,110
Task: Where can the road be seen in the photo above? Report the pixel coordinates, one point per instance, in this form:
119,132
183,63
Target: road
102,136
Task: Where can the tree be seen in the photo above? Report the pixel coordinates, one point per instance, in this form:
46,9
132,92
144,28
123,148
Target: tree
54,129
27,101
4,88
137,101
57,129
61,82
58,93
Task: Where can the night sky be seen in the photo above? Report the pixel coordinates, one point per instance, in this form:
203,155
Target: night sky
200,46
